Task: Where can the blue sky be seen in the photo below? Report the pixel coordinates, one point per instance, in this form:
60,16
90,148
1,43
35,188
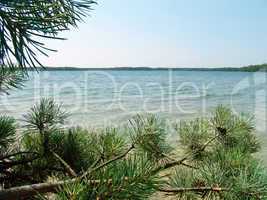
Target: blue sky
167,33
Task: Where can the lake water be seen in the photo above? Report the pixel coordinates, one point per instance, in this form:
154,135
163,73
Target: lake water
111,97
96,98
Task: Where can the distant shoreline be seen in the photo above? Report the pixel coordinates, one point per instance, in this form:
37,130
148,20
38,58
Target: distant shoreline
251,68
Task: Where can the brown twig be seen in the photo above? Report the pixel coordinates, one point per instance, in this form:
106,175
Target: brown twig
189,166
31,190
183,163
35,189
107,162
70,171
174,162
193,189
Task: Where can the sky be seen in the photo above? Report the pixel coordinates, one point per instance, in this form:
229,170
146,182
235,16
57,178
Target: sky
166,33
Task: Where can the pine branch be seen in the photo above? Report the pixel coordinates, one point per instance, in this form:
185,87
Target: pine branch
194,189
215,189
31,190
70,171
182,160
11,78
189,166
107,162
23,23
40,188
174,160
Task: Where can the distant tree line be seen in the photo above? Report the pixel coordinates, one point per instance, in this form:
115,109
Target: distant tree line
250,68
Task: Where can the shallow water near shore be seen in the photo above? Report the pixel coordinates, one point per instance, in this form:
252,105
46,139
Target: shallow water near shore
111,97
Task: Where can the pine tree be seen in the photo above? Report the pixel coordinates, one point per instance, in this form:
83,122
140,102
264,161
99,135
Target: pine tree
215,159
24,22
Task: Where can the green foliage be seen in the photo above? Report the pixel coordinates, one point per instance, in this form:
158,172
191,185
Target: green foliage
82,149
230,160
193,135
7,132
224,130
251,182
185,178
73,146
234,131
39,169
110,143
73,191
44,136
45,116
78,147
255,68
246,181
129,163
11,78
129,178
148,134
125,179
23,23
228,169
